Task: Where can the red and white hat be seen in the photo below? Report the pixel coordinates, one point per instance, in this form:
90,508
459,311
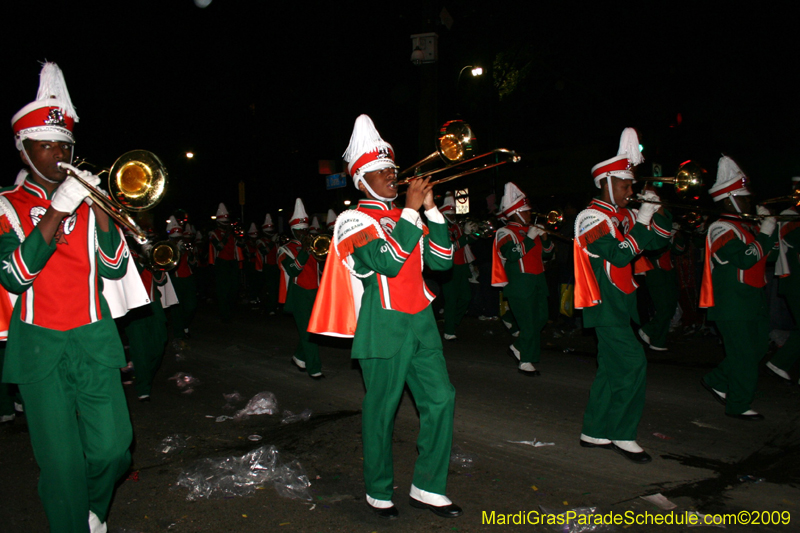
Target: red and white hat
174,230
222,214
51,117
513,200
330,222
315,227
268,225
731,181
367,151
449,204
253,231
620,166
299,218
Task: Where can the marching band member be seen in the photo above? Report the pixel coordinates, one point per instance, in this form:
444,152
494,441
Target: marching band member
254,269
375,264
225,254
788,272
63,347
314,228
456,287
733,291
519,252
608,237
663,286
298,289
268,248
330,221
183,281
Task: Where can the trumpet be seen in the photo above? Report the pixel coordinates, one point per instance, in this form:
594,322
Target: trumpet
454,147
137,181
317,245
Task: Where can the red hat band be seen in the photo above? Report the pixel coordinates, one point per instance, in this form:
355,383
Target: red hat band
383,153
519,204
614,166
736,186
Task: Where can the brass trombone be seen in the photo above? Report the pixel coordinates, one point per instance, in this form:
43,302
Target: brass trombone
317,245
689,176
793,197
136,182
454,147
556,216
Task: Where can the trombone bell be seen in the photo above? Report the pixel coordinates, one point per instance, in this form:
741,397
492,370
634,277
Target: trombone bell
137,180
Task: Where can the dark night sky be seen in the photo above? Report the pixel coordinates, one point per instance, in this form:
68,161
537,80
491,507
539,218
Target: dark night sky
263,90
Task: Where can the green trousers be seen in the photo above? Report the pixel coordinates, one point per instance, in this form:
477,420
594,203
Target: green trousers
425,372
616,400
663,288
457,295
746,342
181,315
147,337
226,280
272,280
81,434
301,302
789,353
529,317
8,393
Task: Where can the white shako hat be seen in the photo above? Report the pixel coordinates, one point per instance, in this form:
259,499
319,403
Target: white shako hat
314,227
795,179
268,226
449,204
222,214
253,231
330,222
731,181
174,230
367,151
189,231
621,166
299,218
51,117
513,200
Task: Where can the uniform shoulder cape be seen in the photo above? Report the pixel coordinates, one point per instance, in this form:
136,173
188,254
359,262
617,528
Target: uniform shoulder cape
338,300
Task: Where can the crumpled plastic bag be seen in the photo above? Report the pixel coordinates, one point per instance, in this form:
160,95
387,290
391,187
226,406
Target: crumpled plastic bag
172,443
289,417
239,476
185,382
263,403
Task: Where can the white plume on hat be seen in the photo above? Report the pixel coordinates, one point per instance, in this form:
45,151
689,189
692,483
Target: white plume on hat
513,200
299,218
40,125
628,156
331,220
365,140
268,224
222,212
731,181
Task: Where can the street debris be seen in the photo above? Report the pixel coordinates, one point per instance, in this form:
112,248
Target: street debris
289,417
459,458
572,523
255,438
263,403
535,443
172,443
660,501
239,476
185,382
751,479
662,436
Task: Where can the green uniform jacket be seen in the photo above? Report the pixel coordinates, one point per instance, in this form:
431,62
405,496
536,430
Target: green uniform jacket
379,332
618,308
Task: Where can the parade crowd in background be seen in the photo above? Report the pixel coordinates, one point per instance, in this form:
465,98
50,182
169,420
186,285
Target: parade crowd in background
397,280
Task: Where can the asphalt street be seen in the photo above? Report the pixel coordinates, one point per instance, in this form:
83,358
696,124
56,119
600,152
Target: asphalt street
703,461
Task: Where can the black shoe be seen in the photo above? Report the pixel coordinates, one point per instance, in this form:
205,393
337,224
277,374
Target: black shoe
317,377
587,444
714,393
531,374
445,511
389,513
144,398
635,457
753,417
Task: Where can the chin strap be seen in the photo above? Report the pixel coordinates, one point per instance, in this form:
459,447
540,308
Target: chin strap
610,191
361,179
735,203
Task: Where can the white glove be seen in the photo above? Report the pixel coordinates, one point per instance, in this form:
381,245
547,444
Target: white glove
70,194
470,227
534,231
86,176
768,224
647,208
675,228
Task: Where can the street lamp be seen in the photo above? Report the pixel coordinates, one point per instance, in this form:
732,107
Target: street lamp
476,71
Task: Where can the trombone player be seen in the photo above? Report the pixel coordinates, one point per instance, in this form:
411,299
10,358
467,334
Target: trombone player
63,349
608,237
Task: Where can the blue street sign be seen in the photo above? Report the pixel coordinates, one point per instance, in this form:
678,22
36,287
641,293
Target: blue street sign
336,181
